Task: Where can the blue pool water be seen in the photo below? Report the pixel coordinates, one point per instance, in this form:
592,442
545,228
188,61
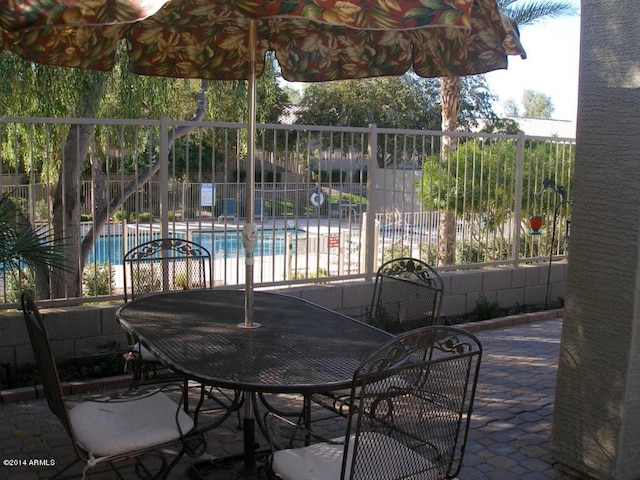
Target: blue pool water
221,244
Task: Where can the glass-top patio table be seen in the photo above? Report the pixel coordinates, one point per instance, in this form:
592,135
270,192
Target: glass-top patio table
299,347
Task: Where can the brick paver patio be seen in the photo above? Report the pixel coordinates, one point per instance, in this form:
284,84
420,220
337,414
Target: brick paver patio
509,437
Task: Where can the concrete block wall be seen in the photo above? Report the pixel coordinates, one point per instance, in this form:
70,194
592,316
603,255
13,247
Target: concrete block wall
524,285
80,328
71,330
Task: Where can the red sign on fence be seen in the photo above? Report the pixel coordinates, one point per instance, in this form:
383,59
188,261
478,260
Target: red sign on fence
334,241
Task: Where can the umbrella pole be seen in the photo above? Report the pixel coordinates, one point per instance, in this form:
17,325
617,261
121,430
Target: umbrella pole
249,232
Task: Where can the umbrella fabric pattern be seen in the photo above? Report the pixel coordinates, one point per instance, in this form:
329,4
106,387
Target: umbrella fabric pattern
314,40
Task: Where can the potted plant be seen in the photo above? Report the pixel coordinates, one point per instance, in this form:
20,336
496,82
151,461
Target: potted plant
535,223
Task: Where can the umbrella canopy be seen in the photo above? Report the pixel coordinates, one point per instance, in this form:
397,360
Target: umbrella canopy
313,40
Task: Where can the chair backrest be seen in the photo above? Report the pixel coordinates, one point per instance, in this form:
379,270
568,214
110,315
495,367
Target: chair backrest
257,207
407,294
229,208
165,264
411,406
45,361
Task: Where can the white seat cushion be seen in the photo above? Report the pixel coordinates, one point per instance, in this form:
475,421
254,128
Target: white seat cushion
111,428
323,461
145,354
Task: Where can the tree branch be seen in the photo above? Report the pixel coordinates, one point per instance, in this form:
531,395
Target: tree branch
101,216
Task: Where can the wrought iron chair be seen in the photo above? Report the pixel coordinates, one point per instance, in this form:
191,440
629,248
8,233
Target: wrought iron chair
335,210
104,432
161,265
411,404
165,264
342,209
229,209
407,294
258,209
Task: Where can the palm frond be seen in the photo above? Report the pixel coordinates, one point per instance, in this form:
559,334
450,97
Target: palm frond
38,249
528,13
22,245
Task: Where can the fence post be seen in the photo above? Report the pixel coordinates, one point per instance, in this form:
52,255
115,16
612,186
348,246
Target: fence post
164,177
164,194
369,219
517,208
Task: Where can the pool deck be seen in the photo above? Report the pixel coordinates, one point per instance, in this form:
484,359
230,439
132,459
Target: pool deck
508,439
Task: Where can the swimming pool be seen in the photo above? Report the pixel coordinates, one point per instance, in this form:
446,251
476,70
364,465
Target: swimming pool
221,244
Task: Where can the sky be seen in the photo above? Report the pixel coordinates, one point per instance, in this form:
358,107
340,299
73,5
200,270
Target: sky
551,66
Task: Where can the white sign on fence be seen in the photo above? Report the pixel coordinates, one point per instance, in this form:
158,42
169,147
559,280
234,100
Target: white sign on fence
207,195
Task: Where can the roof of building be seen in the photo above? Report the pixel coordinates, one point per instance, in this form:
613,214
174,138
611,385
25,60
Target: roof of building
546,127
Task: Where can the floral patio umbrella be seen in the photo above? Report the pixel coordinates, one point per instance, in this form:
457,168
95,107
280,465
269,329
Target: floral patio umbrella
313,40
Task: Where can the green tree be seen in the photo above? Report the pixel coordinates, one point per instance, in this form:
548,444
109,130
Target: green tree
227,102
390,102
293,96
406,101
511,108
522,13
76,93
482,192
537,105
73,93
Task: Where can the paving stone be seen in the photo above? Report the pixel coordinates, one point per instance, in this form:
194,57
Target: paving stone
535,465
502,475
502,462
537,476
471,460
502,449
509,436
473,474
519,470
485,468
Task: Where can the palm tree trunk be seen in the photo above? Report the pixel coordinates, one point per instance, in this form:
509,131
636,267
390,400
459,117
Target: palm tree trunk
450,103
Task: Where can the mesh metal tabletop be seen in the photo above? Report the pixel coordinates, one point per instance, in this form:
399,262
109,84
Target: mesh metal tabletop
300,347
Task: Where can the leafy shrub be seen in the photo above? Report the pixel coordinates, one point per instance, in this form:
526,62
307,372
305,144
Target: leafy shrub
485,309
322,272
429,252
469,253
97,279
41,210
106,361
395,251
180,280
18,281
146,282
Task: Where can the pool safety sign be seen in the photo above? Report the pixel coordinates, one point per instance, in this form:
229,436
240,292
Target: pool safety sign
207,195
